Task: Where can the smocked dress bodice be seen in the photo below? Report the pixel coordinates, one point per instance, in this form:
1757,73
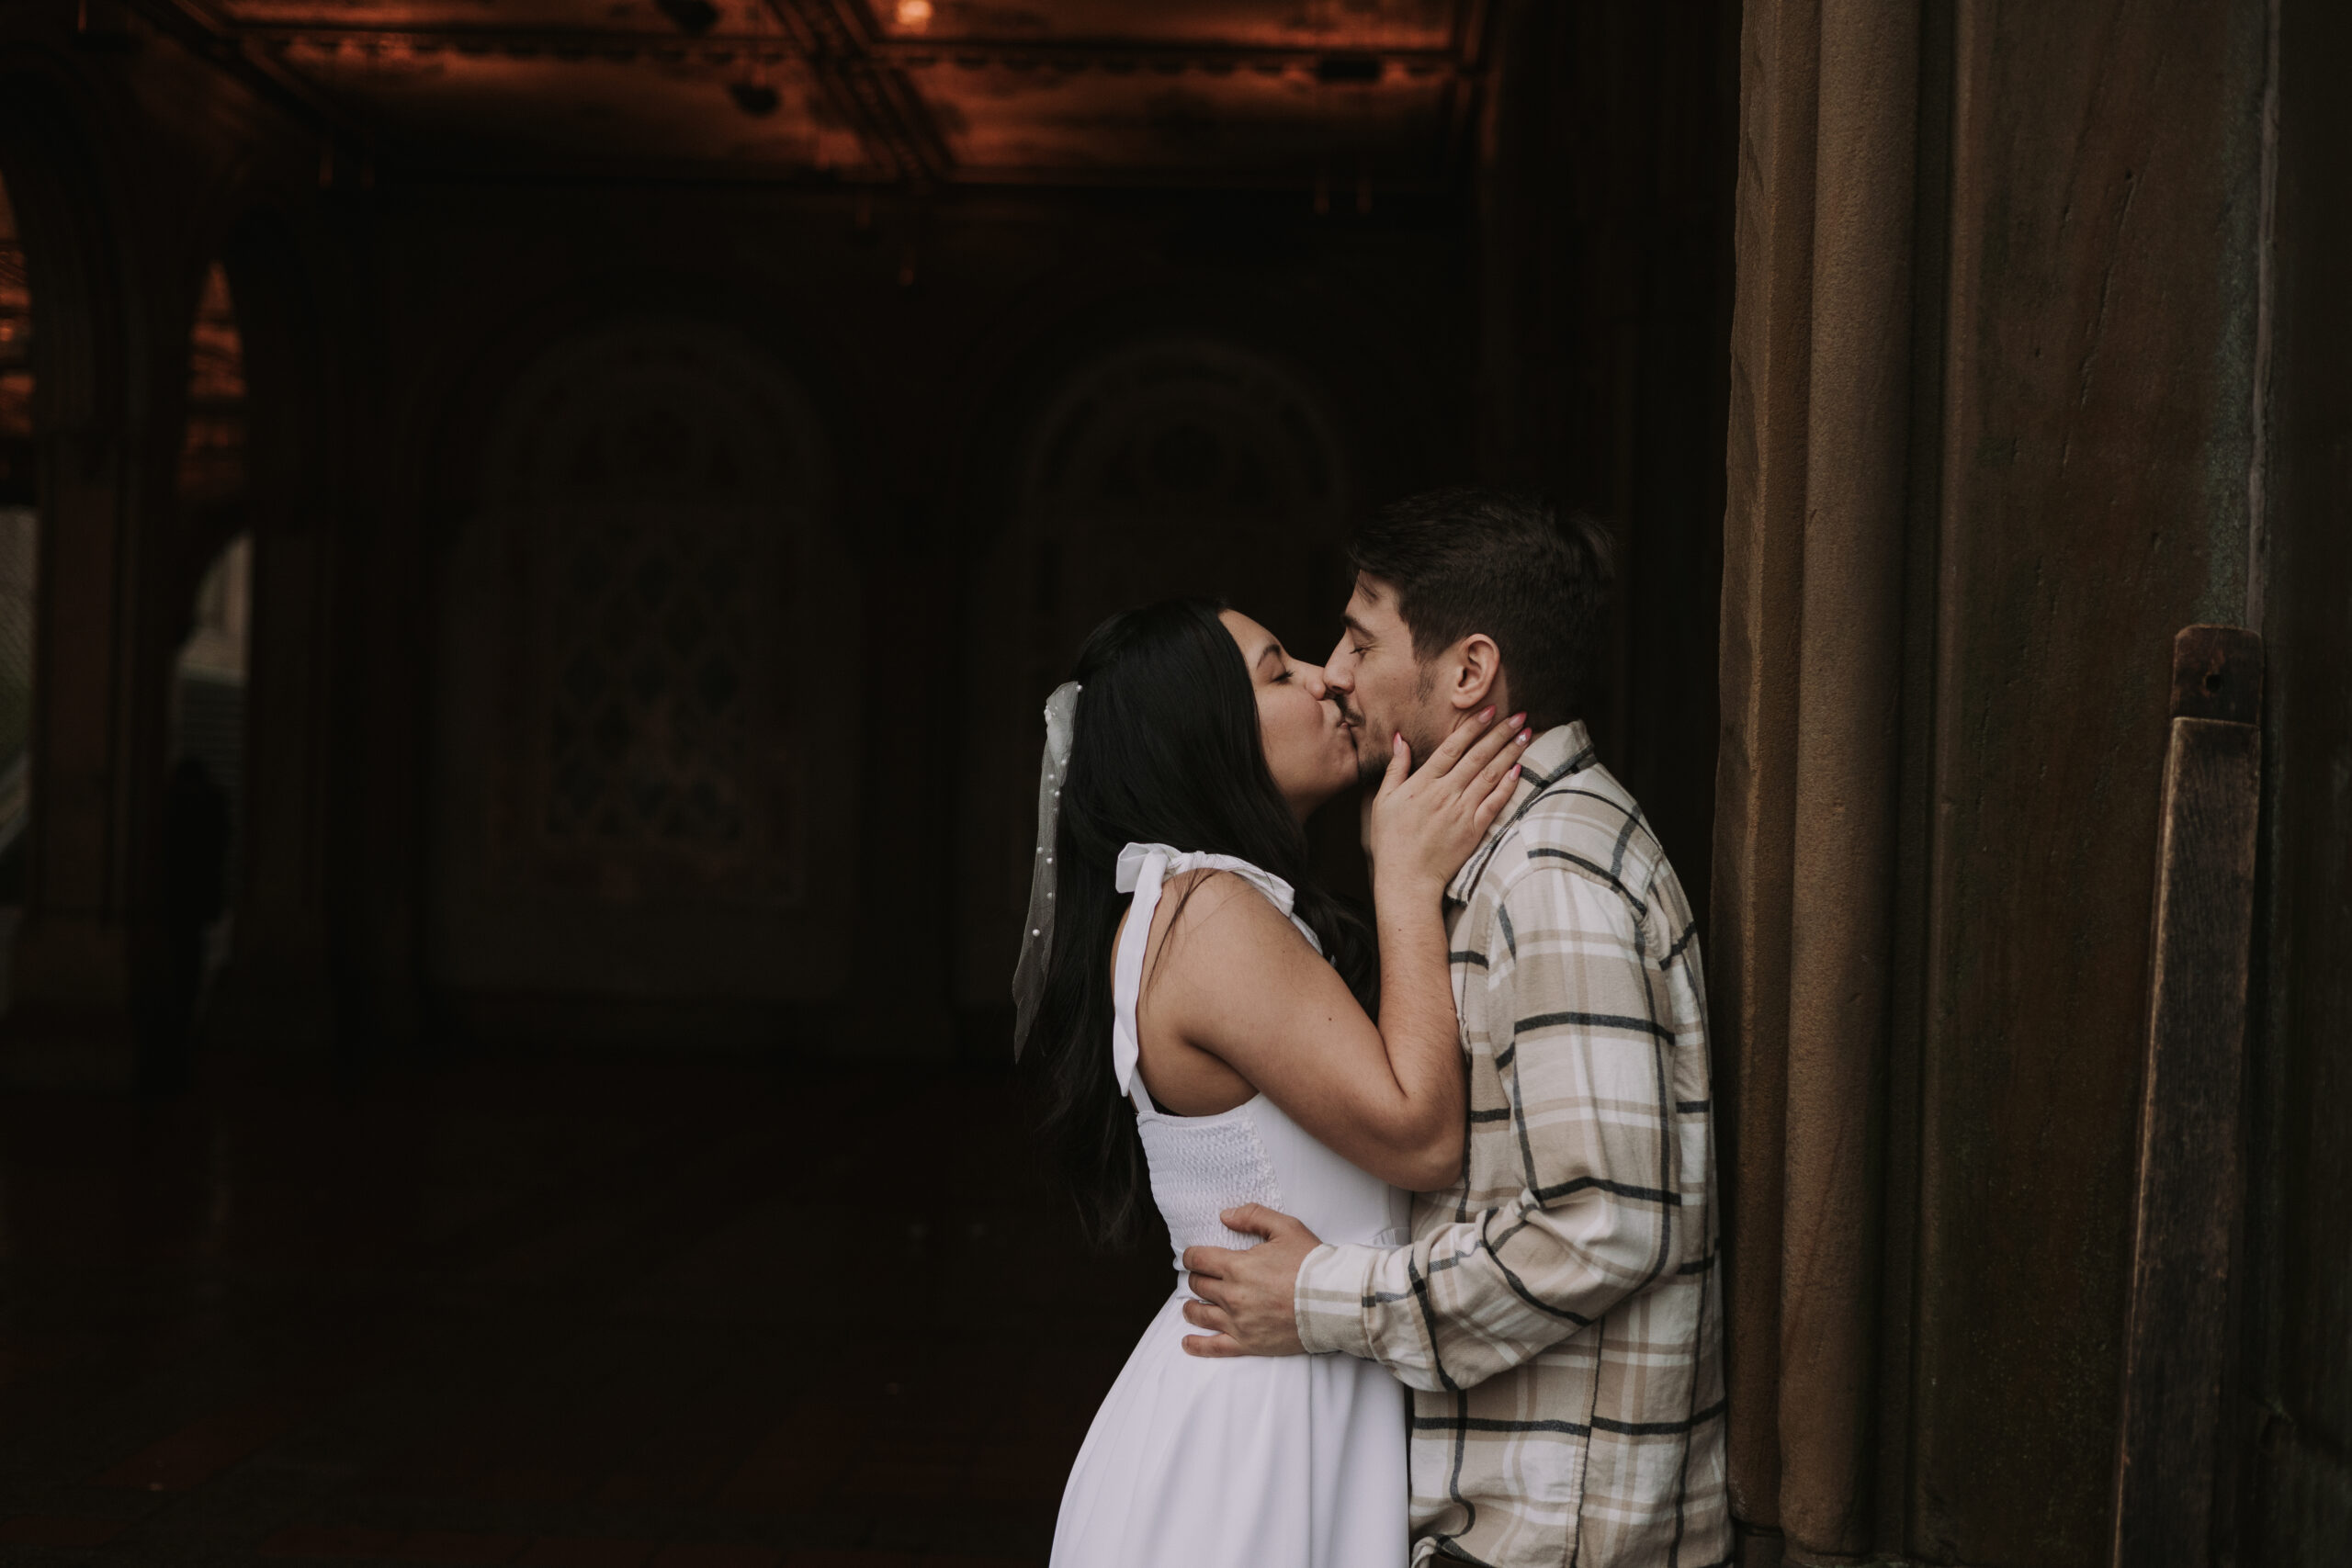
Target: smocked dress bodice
1202,1166
1286,1462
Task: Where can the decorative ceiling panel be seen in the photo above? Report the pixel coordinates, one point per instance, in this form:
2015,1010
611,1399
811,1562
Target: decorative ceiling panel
669,104
1278,123
1193,92
678,20
1221,24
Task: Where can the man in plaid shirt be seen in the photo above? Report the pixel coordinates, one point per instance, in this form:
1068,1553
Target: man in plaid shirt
1557,1315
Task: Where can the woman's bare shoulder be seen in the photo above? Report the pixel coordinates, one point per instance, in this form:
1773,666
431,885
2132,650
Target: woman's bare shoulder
1219,927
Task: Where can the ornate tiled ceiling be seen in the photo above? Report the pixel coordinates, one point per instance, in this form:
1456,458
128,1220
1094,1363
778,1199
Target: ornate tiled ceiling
1346,95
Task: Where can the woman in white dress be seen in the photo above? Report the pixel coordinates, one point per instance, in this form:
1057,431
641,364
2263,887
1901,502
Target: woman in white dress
1200,1010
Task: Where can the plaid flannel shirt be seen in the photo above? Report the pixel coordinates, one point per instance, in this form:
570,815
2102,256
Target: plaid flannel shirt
1557,1315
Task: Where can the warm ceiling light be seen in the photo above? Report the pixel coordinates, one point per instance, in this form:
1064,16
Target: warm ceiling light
914,15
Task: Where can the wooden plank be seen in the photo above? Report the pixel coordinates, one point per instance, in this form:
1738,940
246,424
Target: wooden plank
2190,1169
2084,397
2217,674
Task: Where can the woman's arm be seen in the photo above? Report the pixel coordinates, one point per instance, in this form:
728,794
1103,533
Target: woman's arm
1233,992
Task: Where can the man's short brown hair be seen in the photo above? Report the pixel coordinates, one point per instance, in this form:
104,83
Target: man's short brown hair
1467,559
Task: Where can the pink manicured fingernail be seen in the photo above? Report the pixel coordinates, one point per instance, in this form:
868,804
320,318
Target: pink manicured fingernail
1487,713
1525,736
1514,770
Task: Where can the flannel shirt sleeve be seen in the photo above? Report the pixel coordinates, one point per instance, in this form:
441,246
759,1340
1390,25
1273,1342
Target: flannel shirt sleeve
1583,1061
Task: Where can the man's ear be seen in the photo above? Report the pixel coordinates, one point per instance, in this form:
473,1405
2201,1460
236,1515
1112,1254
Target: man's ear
1473,673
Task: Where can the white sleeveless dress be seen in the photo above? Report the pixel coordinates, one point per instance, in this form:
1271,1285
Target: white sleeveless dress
1287,1462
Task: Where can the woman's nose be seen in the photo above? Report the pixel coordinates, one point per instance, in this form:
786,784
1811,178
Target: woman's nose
1312,679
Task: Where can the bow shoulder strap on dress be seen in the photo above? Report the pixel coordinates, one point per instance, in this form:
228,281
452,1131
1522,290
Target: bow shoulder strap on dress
1144,870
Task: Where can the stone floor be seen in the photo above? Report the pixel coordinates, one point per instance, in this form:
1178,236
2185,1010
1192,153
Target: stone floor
547,1314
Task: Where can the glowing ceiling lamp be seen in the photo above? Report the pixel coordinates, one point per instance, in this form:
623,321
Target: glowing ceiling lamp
914,15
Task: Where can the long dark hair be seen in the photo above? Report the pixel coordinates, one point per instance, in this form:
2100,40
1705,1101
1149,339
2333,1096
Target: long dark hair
1166,752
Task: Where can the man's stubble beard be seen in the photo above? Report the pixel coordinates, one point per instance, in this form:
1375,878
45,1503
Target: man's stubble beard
1373,766
1369,768
1418,747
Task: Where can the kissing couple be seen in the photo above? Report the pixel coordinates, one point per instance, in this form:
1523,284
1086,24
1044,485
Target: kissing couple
1440,1190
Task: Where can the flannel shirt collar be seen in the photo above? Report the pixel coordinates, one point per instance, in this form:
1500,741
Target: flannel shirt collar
1559,751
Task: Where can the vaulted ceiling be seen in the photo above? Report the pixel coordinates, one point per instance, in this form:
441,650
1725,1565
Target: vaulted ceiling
1341,96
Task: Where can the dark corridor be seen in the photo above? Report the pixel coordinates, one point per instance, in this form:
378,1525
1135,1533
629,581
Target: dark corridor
533,537
580,507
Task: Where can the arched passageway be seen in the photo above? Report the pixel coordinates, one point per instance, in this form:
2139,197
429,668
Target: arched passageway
1176,463
673,471
639,800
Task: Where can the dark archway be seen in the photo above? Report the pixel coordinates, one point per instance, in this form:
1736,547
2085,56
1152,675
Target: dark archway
1180,462
637,792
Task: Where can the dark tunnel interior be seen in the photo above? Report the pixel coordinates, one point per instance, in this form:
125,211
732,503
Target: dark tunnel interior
634,473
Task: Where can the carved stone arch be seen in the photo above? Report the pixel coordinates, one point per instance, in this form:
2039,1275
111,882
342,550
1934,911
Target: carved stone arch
636,617
1180,463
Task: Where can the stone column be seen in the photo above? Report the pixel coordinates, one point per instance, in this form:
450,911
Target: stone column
1987,453
95,718
274,993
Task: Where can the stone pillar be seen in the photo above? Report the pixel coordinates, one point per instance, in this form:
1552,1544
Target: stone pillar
1988,451
97,711
2293,1421
275,991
